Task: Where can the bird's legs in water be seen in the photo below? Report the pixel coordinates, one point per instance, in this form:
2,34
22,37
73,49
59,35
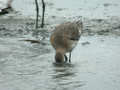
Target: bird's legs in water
66,59
70,57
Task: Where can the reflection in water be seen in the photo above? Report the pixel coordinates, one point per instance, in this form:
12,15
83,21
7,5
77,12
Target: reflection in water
65,77
63,71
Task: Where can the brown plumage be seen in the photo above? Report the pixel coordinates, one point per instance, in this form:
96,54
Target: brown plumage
64,39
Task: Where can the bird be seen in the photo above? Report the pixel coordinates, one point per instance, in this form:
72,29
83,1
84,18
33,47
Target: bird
65,38
5,6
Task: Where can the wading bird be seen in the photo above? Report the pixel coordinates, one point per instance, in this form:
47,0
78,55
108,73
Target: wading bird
64,39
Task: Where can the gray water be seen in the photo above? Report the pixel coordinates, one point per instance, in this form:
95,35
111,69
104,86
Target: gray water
25,65
94,66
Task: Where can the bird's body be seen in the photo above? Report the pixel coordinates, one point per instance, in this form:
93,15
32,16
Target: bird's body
64,39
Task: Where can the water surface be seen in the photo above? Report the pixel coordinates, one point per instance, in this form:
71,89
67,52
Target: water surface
26,66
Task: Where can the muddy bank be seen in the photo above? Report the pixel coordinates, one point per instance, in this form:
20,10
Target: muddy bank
101,18
24,27
102,26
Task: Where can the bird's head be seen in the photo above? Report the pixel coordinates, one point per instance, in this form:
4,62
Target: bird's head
59,57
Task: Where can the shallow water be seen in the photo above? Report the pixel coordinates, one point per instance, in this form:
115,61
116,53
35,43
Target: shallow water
26,66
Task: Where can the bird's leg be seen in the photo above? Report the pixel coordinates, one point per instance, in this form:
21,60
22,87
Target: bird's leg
70,57
66,59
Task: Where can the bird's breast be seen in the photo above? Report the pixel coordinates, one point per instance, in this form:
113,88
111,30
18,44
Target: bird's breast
72,45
